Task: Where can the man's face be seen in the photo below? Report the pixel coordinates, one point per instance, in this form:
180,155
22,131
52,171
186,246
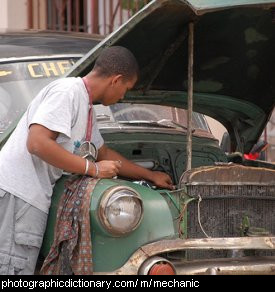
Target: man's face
117,89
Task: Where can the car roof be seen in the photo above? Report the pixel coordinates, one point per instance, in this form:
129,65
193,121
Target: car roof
18,44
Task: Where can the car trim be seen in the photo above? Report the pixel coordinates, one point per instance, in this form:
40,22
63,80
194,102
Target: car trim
40,58
132,266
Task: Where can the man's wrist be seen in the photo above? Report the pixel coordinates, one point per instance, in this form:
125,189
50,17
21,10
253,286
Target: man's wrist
150,175
93,169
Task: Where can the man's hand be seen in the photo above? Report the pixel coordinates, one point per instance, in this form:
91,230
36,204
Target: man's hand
134,171
162,180
108,168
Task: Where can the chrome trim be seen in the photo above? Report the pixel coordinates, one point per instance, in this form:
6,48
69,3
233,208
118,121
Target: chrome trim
131,267
233,266
110,129
38,58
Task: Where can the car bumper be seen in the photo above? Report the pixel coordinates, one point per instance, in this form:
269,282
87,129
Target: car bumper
234,265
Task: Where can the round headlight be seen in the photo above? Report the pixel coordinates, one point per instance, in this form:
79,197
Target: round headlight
121,210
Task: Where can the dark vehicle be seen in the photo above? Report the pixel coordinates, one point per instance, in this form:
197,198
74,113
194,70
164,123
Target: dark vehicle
28,61
220,219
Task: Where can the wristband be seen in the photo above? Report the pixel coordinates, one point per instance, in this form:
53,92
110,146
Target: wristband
96,170
87,167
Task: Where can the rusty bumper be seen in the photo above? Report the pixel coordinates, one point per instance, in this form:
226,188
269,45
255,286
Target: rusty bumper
236,265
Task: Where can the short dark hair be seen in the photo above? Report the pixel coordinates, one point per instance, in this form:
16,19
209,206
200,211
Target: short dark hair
117,60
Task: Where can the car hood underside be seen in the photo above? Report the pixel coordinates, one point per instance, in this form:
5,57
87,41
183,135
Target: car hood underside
234,45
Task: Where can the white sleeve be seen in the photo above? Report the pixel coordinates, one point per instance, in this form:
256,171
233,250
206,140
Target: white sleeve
55,113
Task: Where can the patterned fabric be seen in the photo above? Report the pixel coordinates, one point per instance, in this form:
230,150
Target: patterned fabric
71,251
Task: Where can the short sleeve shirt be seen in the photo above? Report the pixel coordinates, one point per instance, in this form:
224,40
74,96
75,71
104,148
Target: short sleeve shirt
63,107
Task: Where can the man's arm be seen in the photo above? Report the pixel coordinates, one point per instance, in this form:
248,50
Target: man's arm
42,143
134,171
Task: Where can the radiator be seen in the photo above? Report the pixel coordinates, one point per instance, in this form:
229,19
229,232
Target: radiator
234,201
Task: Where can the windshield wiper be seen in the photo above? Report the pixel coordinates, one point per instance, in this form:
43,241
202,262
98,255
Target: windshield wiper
165,121
174,123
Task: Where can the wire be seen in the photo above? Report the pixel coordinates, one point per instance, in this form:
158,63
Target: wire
199,218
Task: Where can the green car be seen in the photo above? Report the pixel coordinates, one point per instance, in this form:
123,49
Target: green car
216,57
220,219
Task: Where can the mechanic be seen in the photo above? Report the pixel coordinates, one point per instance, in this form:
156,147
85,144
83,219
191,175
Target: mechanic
47,142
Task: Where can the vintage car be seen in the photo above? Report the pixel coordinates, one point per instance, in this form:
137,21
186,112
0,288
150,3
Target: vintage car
217,57
220,218
31,59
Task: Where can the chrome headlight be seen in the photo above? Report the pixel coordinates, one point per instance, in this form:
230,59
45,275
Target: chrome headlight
120,210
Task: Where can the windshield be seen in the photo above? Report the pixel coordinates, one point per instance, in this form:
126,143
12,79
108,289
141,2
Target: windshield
148,115
21,81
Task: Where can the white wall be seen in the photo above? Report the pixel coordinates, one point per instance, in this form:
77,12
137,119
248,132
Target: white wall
216,128
3,14
13,14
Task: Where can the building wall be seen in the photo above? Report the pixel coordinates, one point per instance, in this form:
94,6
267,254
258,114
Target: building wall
3,14
216,128
13,14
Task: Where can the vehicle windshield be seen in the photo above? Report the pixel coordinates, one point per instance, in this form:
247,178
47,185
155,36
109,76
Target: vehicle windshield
21,81
148,115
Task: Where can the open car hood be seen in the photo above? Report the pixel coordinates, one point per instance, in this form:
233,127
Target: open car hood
234,57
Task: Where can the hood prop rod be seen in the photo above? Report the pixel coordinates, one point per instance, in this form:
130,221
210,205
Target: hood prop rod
190,95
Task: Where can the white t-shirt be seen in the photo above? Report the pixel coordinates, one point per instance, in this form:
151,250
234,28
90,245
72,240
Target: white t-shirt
62,106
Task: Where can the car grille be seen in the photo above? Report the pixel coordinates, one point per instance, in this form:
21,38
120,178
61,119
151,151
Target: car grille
234,202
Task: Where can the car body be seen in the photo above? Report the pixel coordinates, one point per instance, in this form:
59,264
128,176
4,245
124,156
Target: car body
220,218
32,59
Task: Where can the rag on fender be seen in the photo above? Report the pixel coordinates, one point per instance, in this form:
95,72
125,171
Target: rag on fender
71,250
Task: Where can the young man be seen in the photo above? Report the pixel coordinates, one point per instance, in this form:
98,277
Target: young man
45,144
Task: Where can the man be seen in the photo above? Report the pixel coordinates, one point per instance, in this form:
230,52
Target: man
45,144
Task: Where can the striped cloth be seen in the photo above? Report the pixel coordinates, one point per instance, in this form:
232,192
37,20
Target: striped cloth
71,251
